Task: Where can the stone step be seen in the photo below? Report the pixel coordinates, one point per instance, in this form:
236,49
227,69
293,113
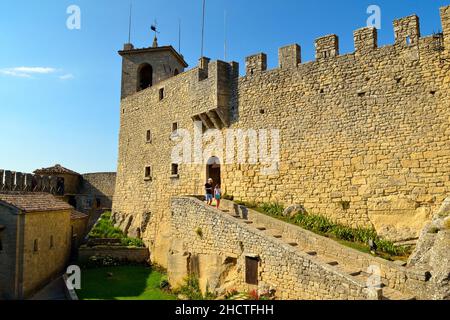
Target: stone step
290,242
391,294
274,233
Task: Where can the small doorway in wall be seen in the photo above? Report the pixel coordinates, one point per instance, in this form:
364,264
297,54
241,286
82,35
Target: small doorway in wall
251,270
213,170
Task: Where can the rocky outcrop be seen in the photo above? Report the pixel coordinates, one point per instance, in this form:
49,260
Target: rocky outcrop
432,256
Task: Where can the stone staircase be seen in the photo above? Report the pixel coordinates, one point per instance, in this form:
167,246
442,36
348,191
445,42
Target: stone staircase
340,265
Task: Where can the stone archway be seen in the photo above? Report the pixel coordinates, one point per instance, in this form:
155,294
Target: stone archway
213,170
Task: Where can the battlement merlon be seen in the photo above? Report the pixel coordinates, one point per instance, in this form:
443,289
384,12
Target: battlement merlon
327,47
289,56
407,31
445,20
365,39
256,64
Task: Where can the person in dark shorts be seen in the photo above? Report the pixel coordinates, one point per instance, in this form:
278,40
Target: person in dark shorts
209,191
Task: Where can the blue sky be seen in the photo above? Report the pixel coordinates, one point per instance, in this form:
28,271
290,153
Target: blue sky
60,88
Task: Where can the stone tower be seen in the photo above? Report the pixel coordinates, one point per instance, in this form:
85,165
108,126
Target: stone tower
143,68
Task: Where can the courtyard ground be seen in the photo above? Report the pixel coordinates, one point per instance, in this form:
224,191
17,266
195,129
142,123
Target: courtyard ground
122,283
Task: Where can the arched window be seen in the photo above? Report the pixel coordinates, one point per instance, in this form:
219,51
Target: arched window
145,76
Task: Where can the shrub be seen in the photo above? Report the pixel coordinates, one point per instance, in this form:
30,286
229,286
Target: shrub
164,284
191,289
132,242
274,209
104,229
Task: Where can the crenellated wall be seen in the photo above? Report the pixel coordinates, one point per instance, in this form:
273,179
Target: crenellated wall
18,181
365,136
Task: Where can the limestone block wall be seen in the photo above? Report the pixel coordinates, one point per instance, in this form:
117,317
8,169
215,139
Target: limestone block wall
99,185
365,136
51,256
292,273
9,253
139,255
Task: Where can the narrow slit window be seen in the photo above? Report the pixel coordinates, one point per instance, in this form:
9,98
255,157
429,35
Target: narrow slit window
52,242
148,136
148,172
161,94
175,127
36,245
174,170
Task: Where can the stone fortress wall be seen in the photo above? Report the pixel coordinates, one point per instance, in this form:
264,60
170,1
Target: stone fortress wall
365,136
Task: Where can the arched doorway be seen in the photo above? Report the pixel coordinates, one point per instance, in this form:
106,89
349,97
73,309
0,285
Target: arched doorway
213,170
145,76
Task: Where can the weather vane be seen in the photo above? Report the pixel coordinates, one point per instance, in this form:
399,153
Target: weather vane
155,29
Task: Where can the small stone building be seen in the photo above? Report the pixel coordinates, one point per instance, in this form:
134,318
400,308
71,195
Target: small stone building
35,242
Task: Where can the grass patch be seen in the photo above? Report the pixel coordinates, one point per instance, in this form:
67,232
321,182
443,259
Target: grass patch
104,229
356,238
123,283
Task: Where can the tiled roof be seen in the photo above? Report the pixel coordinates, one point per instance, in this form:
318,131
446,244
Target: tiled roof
76,215
33,201
56,169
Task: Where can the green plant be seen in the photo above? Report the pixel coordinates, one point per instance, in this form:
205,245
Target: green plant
164,283
199,232
191,289
433,230
132,242
324,226
274,209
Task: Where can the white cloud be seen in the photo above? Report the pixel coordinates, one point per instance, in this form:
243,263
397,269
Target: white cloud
26,72
68,76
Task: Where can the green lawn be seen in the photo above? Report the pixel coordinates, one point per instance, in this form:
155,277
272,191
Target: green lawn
126,283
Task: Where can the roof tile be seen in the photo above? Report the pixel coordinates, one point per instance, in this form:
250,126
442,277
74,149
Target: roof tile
33,202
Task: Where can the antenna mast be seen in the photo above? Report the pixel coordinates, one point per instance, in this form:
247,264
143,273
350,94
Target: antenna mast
225,36
203,27
129,23
179,35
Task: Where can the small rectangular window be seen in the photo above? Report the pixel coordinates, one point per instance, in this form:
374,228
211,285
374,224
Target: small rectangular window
1,244
175,127
149,136
175,168
161,94
148,173
36,245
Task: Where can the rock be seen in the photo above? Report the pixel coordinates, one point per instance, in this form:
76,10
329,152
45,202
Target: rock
293,210
432,255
